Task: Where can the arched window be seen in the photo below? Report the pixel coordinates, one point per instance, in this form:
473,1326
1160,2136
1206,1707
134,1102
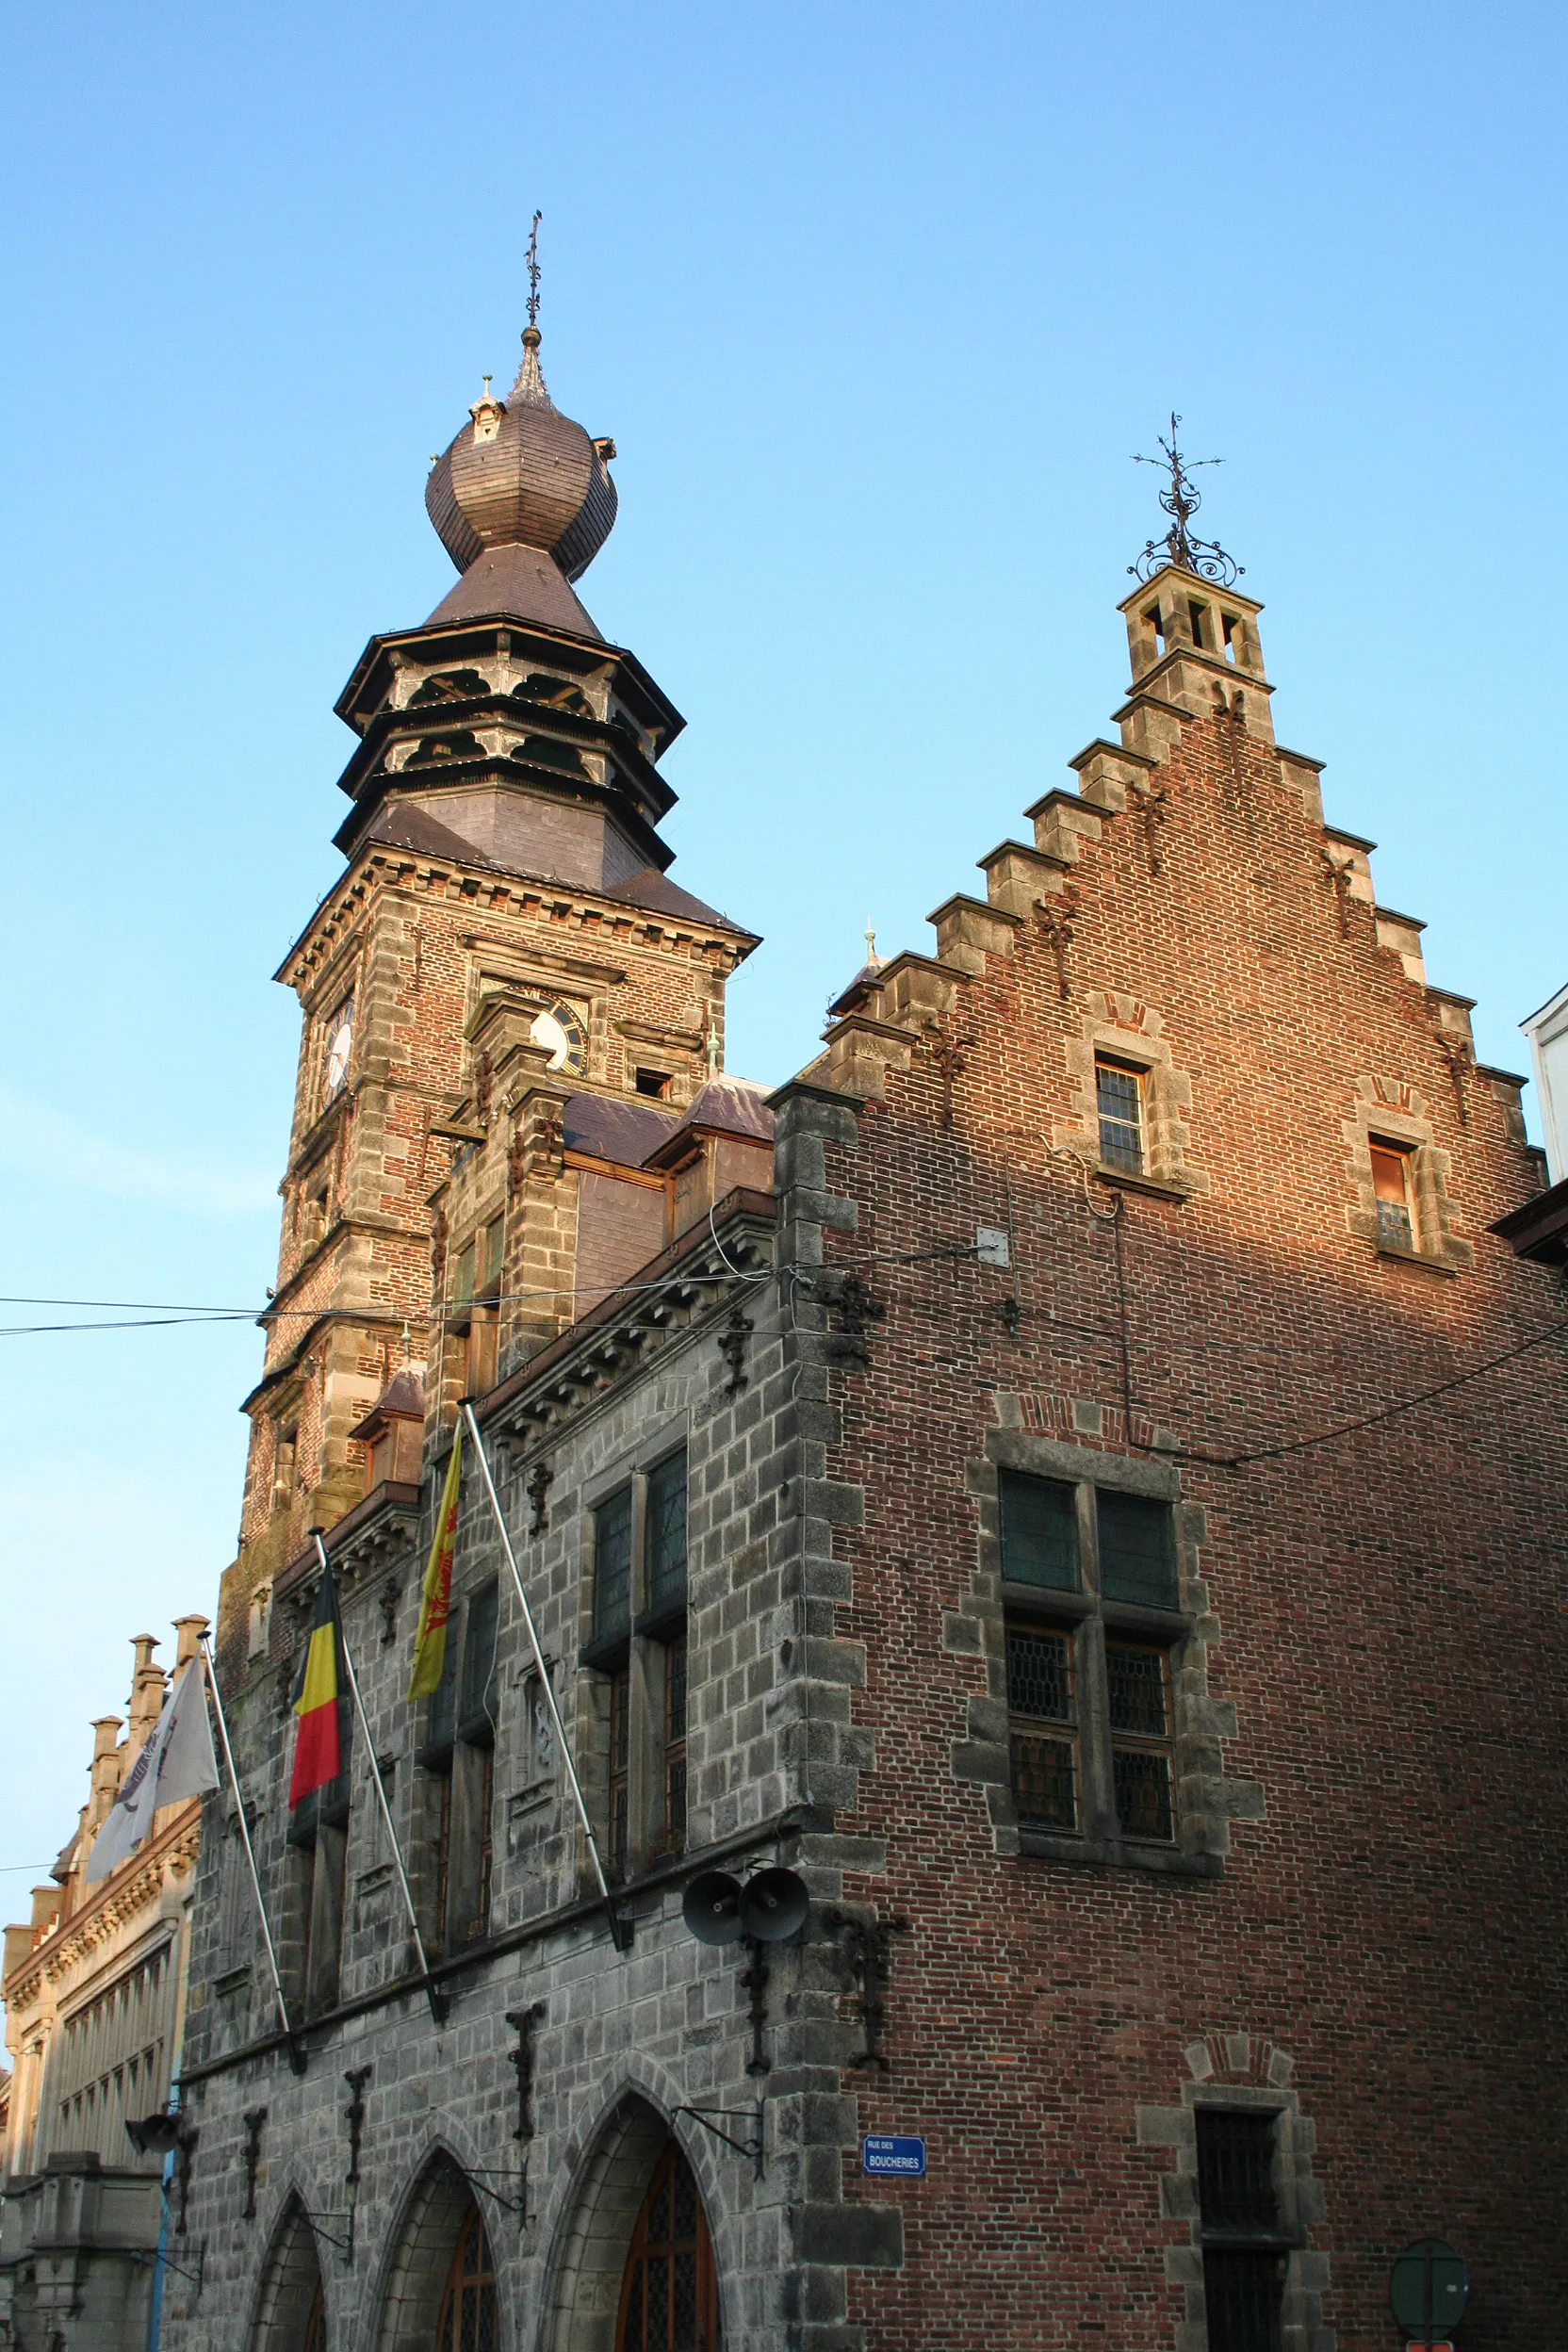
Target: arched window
467,2322
669,2297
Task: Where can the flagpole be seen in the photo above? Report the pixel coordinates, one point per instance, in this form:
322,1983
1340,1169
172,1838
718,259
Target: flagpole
437,1999
296,2045
617,1936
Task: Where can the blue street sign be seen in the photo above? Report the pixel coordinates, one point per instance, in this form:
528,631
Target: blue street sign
886,2153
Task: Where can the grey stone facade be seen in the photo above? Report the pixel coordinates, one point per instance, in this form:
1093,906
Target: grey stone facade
623,2044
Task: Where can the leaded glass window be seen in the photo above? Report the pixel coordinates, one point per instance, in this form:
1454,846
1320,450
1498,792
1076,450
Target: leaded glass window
1096,1761
1137,1550
1040,1532
664,1540
669,2296
1118,1102
1138,1682
613,1566
675,1745
478,1717
1043,1728
620,1727
467,2321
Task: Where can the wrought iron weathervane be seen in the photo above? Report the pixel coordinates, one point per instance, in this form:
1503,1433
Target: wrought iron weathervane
533,272
1181,501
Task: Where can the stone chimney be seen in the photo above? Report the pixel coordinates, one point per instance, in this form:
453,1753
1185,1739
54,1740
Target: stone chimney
189,1632
147,1688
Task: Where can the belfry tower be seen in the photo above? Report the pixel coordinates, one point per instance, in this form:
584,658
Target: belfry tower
503,940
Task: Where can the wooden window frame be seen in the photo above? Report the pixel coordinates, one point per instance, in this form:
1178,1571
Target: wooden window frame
631,1652
458,1755
631,2318
466,2282
1392,1153
1123,1067
1094,1625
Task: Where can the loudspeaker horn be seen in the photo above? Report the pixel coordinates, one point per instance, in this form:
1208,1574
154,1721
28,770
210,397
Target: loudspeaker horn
773,1905
711,1909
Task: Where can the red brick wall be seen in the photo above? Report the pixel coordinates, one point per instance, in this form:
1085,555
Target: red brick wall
1389,1608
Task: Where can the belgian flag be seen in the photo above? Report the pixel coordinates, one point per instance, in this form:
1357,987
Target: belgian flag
318,1751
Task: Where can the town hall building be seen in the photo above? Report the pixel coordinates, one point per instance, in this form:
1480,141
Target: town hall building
1043,1532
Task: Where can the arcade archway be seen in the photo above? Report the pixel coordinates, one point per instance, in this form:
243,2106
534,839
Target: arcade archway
440,2290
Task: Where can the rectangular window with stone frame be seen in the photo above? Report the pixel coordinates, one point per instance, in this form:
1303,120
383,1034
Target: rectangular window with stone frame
661,1622
608,1654
457,1761
636,1651
1094,1632
315,1883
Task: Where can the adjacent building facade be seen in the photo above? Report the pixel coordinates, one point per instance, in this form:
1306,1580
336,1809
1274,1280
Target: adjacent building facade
95,1988
1065,1476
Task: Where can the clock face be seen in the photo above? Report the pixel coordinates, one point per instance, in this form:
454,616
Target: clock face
341,1037
559,1028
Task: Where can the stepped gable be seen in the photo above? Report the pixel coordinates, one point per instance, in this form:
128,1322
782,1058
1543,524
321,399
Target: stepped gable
1197,755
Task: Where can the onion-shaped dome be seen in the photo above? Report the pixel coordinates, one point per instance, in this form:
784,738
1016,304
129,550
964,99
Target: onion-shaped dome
523,475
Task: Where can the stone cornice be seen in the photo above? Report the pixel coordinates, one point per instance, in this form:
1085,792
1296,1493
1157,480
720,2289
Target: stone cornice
128,1889
375,867
667,1294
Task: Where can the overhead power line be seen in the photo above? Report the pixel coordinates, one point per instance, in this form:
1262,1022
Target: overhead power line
1370,1420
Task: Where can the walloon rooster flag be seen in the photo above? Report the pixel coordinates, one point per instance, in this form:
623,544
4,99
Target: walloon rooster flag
435,1604
318,1750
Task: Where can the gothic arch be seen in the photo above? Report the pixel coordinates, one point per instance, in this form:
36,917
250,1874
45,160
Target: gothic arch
290,2281
593,2234
414,2283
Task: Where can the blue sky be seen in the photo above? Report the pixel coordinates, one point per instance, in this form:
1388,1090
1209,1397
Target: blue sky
877,302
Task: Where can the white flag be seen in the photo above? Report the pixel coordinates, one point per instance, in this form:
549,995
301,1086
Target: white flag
175,1761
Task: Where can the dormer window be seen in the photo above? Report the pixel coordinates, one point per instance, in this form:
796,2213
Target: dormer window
487,413
653,1082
